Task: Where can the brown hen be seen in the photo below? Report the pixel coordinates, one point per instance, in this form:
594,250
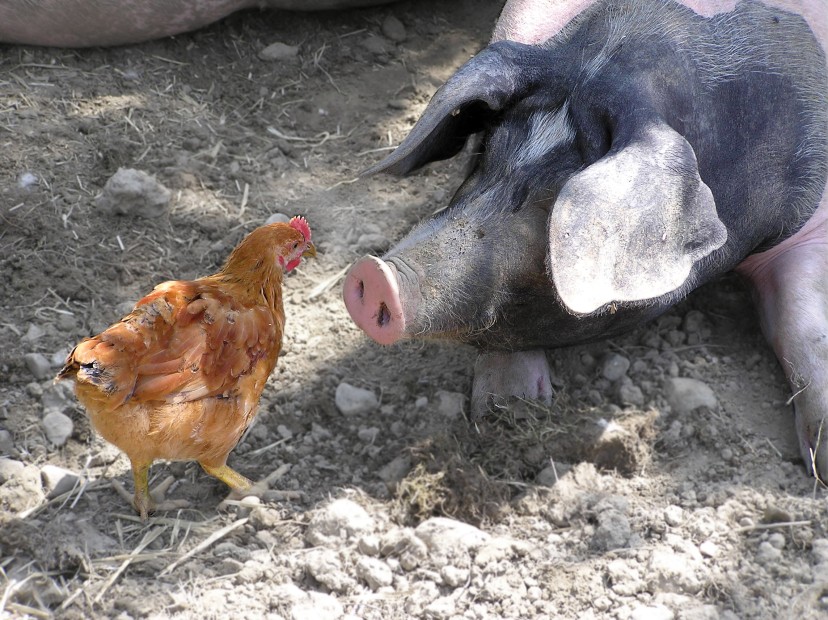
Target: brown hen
179,378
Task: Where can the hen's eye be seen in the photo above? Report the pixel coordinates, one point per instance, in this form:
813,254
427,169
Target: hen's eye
295,245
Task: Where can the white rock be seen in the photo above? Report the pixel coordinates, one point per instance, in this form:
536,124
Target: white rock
777,540
819,549
57,396
450,405
453,576
768,554
278,218
654,612
374,572
352,400
673,515
702,612
684,394
279,51
668,570
614,367
38,365
339,519
58,427
57,480
441,608
392,473
35,332
369,545
325,566
709,549
27,180
10,469
320,606
134,192
442,533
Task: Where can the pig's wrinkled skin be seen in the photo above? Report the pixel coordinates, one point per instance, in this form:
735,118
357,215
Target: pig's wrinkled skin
631,151
88,23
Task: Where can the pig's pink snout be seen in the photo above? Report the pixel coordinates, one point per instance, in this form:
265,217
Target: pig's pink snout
372,297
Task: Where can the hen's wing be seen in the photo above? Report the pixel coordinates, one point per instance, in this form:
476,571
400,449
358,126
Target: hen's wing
182,342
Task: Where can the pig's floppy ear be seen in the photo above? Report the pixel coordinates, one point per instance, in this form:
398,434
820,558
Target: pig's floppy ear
486,84
630,226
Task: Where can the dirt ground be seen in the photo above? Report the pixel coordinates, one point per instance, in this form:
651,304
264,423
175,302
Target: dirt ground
611,504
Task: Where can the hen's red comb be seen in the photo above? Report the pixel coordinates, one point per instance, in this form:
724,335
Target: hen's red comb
301,224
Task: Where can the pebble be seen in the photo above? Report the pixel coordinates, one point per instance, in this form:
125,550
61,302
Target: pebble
685,394
614,367
450,405
369,545
352,400
368,434
57,397
613,531
38,365
134,192
668,570
453,576
394,472
59,357
374,572
767,553
57,480
442,534
6,443
629,393
651,612
280,52
371,242
10,469
441,608
375,44
277,218
702,612
58,427
693,321
709,549
777,540
341,518
35,332
27,180
819,549
673,515
320,606
393,29
421,402
325,566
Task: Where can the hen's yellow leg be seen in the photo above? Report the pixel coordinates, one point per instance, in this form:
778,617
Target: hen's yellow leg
229,476
145,501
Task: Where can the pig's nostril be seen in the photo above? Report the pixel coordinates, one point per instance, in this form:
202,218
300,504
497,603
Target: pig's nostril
361,289
383,317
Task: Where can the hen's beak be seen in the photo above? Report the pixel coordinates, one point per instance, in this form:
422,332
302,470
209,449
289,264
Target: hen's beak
310,250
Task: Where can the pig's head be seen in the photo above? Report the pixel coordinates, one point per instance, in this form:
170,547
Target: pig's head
582,202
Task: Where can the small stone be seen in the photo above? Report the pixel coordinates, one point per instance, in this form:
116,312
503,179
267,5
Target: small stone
38,365
284,432
35,332
57,396
685,394
368,435
58,427
450,405
777,540
325,566
669,570
614,367
371,242
10,469
280,52
374,572
442,533
352,400
393,473
399,104
709,549
453,576
702,612
768,554
59,357
393,29
819,549
57,480
673,515
6,443
651,612
629,393
693,321
134,192
613,531
549,476
375,44
421,402
319,606
340,519
369,545
441,608
278,218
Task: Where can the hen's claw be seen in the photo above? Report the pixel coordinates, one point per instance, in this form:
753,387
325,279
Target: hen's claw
151,501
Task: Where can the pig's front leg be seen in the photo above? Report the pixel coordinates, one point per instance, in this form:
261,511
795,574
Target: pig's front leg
497,376
791,284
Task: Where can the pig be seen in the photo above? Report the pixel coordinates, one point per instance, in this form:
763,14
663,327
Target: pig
88,23
629,151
